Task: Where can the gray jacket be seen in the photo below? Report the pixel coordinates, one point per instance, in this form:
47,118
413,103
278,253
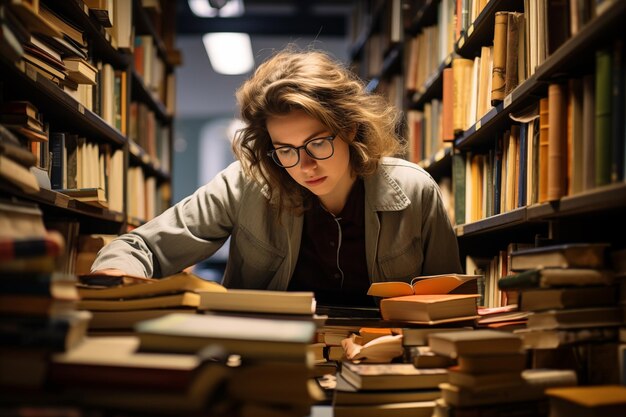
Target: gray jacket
407,231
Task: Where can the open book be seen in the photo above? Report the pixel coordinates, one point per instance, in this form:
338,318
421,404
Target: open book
430,284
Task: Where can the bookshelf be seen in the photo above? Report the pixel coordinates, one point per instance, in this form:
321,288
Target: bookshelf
103,115
497,161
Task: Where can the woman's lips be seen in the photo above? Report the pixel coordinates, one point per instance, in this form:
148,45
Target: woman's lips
315,182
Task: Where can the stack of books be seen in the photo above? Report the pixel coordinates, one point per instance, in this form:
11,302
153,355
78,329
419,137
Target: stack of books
568,291
21,140
394,389
110,372
117,303
37,303
490,378
269,361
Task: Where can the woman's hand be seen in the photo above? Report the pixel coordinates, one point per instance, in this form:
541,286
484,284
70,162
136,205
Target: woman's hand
112,272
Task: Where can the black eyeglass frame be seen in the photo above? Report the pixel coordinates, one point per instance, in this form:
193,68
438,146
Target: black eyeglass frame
276,159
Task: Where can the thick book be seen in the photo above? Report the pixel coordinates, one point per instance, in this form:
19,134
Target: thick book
392,376
431,284
498,82
484,381
559,338
487,364
114,361
52,244
58,333
55,284
403,409
126,320
429,308
560,298
474,342
557,141
183,299
423,357
94,196
258,301
555,277
571,255
347,394
587,401
126,287
576,318
603,117
248,337
18,175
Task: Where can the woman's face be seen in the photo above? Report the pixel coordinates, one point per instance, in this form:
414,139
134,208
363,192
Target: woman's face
330,179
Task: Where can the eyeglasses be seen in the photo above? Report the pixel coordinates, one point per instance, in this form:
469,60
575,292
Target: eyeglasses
317,148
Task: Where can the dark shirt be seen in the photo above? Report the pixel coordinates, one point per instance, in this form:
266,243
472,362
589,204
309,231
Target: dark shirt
326,252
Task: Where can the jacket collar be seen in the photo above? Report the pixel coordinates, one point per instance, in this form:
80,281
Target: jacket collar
383,193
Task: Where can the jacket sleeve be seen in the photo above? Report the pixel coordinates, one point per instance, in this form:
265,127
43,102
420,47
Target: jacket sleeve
441,250
183,235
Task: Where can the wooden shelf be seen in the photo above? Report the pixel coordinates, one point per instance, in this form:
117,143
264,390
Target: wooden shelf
56,105
499,221
65,206
480,32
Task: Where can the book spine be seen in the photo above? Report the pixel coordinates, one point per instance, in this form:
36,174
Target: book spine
557,141
543,149
526,279
603,117
618,107
458,175
589,123
57,147
512,53
498,81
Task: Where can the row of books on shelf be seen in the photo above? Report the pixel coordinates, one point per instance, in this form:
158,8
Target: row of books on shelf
60,51
73,165
472,87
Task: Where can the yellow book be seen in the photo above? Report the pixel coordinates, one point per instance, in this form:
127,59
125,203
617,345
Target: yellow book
428,284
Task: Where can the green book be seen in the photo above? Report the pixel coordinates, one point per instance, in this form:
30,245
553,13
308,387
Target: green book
603,116
458,177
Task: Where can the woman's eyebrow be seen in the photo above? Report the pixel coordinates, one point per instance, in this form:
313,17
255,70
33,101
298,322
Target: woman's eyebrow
319,134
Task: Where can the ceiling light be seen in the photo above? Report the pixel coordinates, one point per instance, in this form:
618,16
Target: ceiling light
229,53
202,8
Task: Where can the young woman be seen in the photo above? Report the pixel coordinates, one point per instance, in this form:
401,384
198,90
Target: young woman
314,202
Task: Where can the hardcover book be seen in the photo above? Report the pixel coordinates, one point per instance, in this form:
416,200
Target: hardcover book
474,342
572,255
429,309
392,376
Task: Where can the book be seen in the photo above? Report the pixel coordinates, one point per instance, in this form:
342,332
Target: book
258,301
392,376
80,71
248,337
497,362
18,175
55,284
570,255
127,319
484,381
557,141
115,361
126,287
429,309
474,342
183,299
560,298
555,277
50,244
587,401
432,284
404,409
94,196
557,338
347,394
56,333
576,318
418,336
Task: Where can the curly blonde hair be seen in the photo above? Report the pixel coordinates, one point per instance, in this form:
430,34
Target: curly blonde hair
325,89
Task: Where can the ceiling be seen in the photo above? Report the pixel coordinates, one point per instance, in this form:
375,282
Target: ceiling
277,18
